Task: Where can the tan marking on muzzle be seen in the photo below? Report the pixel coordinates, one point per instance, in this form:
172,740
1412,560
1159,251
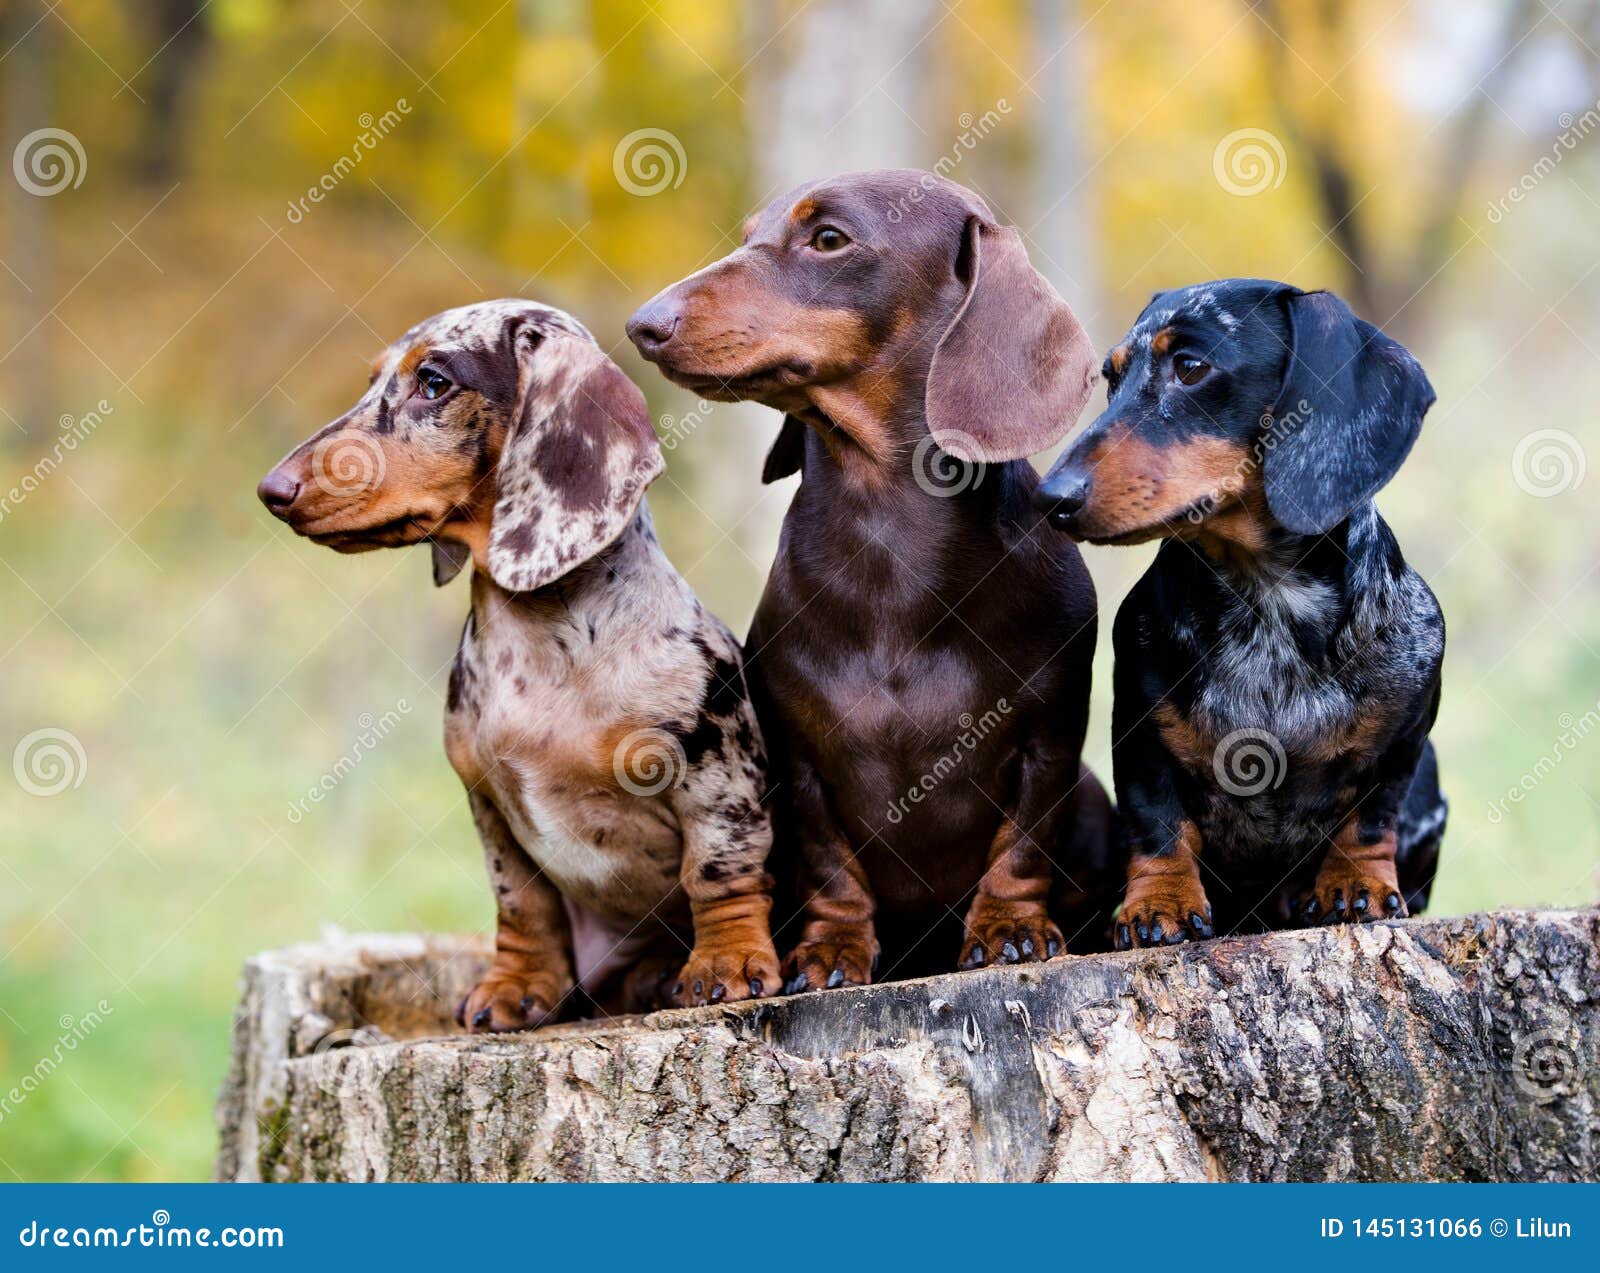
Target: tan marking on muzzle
1135,486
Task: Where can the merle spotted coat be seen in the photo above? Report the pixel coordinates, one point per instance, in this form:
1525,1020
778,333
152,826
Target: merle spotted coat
1278,666
597,713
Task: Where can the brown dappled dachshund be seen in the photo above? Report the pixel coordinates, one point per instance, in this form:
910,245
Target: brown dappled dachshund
921,654
596,713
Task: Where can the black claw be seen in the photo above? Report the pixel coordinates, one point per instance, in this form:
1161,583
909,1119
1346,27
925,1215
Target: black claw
677,989
719,992
1008,952
1392,903
875,961
975,956
1363,900
1124,938
1156,931
756,987
699,989
527,1004
1198,925
1310,909
836,979
1027,946
1143,929
483,1017
1052,948
1175,936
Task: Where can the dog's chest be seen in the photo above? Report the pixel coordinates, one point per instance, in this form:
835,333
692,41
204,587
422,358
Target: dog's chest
557,722
1260,676
1283,723
885,696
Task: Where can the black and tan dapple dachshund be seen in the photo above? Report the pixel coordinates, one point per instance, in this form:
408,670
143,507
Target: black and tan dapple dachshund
921,653
596,712
1278,666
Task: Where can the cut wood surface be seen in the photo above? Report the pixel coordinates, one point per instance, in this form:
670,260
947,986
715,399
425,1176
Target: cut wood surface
1448,1049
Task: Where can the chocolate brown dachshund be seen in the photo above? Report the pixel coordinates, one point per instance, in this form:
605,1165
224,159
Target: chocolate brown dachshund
921,655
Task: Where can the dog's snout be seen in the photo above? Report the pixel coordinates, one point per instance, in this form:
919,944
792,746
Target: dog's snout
652,325
278,491
1061,497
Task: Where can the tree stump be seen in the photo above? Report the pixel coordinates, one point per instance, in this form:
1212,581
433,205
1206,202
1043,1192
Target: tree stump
1437,1049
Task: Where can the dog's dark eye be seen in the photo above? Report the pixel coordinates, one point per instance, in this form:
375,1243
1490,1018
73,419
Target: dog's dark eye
829,239
1189,369
431,383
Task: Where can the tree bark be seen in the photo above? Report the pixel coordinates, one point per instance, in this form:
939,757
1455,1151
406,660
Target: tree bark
1456,1049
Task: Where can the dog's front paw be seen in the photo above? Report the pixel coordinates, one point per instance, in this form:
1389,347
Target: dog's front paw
1163,912
647,985
726,972
1009,935
830,957
511,1000
1350,891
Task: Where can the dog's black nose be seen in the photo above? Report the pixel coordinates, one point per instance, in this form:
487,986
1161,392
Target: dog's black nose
652,326
278,491
1061,497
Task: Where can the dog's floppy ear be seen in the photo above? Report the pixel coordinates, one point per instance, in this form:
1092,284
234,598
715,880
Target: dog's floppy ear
788,452
576,460
449,555
1351,405
1015,366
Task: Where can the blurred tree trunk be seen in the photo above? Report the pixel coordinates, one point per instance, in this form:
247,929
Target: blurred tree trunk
181,34
545,103
1062,199
1387,291
1436,1049
30,34
829,88
838,86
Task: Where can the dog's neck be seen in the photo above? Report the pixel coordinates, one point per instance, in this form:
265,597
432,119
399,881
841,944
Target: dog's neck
882,525
1281,564
628,556
899,461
